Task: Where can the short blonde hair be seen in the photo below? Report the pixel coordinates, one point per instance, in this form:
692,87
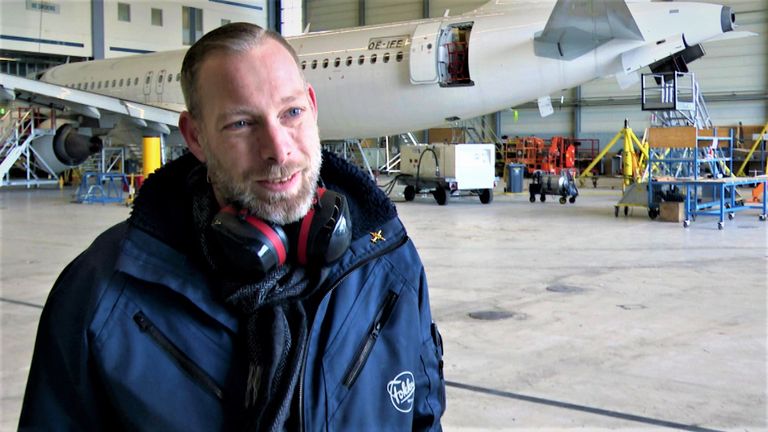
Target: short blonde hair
238,37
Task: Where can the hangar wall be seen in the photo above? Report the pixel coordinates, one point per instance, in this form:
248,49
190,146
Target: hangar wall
120,27
733,75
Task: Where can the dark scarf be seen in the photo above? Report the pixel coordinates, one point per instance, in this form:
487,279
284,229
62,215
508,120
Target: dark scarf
271,307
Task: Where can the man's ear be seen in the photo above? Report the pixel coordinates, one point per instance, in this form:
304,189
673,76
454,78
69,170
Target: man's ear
312,98
190,129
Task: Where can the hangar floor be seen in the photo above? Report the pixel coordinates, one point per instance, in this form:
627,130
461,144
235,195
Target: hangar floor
553,316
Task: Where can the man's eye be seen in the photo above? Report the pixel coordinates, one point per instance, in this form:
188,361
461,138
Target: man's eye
237,125
294,112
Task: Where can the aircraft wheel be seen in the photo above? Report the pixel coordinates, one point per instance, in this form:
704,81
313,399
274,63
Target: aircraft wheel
440,196
409,193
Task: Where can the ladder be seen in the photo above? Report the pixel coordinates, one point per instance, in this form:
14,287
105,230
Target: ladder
675,100
18,133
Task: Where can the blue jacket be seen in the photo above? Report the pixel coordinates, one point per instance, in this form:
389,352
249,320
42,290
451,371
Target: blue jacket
133,337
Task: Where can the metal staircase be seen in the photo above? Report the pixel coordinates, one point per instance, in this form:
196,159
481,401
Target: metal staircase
18,132
675,99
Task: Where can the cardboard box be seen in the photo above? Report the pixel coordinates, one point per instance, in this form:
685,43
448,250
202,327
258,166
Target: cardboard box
670,211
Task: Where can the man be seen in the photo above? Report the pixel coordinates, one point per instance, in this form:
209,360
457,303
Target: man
240,295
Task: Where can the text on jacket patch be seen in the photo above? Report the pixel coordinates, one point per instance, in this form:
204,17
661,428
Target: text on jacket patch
401,391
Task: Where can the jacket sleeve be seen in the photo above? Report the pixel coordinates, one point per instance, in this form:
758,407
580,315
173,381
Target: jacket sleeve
428,410
62,392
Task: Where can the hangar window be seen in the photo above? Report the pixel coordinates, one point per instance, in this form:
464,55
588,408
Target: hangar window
157,17
314,64
336,62
361,60
124,12
386,57
303,65
325,63
349,61
399,56
373,58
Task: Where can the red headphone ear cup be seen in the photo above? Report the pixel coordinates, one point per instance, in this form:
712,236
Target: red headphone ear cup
249,243
325,232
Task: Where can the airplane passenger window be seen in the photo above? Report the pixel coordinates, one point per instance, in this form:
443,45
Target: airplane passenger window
147,80
121,82
314,64
386,57
178,76
349,61
114,82
399,56
136,81
373,58
336,62
93,85
170,77
128,83
303,65
361,60
160,78
99,86
325,63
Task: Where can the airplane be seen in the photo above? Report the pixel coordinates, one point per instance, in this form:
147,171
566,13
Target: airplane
388,79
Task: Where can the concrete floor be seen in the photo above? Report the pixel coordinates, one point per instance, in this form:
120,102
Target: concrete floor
597,322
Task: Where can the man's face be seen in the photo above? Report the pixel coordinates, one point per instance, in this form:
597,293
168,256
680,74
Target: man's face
258,132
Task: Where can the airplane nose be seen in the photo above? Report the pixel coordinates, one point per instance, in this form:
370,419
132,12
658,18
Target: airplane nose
727,19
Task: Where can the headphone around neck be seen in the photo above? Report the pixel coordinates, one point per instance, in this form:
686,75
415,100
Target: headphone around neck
251,244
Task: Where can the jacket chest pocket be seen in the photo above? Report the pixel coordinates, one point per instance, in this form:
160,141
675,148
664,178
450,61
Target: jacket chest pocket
181,359
369,341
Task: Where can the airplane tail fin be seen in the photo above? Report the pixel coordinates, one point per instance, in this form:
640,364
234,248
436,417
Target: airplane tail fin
576,27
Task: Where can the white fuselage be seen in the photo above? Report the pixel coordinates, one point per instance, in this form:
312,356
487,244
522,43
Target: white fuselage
426,72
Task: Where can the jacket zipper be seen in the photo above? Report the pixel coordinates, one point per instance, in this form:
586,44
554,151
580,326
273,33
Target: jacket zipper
333,286
373,334
181,359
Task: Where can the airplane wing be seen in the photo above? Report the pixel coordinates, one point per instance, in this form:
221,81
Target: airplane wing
85,103
576,27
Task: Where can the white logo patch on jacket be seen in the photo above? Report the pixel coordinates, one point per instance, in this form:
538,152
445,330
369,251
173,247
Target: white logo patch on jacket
401,391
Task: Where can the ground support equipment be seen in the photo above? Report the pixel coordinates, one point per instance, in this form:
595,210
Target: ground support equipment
562,185
97,187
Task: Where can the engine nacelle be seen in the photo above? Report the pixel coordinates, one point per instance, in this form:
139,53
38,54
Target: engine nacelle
66,148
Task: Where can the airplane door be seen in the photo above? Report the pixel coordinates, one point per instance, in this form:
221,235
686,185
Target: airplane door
423,61
159,87
148,85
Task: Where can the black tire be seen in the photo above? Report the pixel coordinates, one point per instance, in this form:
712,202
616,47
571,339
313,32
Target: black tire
616,211
562,200
533,198
542,198
572,199
486,196
626,210
440,196
653,213
409,193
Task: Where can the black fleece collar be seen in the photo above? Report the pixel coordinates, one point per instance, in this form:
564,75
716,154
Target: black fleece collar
163,207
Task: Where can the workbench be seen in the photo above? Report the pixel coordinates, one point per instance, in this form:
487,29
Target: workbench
723,192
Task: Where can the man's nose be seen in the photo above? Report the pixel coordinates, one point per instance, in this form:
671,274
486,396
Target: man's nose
276,144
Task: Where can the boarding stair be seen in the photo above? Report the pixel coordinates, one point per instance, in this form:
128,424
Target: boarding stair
675,99
17,133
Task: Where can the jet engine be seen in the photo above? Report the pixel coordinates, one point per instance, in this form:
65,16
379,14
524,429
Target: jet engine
65,149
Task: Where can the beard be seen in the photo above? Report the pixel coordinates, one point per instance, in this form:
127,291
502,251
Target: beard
279,208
